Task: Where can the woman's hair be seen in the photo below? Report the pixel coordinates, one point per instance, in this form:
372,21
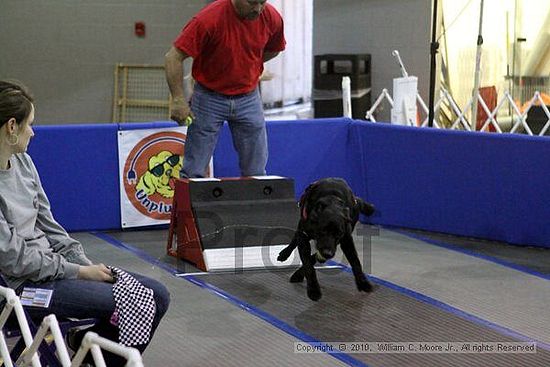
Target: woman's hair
15,102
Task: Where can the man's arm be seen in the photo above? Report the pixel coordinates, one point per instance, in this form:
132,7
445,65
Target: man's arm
268,55
173,65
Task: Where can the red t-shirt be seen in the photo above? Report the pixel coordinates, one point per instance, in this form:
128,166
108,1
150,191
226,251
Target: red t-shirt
228,51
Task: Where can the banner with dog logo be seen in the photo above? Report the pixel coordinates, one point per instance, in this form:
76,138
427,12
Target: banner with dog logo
149,162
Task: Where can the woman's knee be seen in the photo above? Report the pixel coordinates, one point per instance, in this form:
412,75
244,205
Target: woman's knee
162,298
160,294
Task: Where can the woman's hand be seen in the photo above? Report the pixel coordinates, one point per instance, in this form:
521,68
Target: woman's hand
97,272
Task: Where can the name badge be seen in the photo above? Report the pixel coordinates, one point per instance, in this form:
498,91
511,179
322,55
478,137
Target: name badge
36,297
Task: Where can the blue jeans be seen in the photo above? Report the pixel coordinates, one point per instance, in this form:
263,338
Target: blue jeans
245,116
83,299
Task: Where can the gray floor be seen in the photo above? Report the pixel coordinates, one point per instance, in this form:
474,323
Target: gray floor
425,292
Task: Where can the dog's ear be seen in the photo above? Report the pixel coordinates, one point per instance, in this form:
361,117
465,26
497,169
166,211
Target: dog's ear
347,216
314,213
315,210
303,203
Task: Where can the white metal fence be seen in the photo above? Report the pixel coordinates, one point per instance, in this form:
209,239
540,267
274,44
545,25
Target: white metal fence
92,343
502,122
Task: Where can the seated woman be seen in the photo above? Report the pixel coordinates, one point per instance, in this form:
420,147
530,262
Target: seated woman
35,251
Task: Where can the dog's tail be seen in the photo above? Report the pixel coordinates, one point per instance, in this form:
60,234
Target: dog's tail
366,208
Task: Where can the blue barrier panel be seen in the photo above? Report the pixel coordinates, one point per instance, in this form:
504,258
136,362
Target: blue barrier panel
146,125
305,150
78,166
482,185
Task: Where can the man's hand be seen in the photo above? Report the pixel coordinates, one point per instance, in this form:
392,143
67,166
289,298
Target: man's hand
173,65
97,272
180,111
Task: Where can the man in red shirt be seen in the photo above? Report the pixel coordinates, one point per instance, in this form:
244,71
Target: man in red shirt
229,41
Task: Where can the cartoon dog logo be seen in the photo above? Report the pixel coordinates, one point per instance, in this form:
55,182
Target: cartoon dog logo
163,167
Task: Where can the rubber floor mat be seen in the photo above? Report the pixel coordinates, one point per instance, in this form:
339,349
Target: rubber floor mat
384,316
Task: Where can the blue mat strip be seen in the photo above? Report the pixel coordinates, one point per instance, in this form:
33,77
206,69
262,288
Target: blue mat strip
299,334
345,358
448,308
451,247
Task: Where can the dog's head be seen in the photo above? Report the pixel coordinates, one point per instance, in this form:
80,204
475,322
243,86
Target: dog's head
328,221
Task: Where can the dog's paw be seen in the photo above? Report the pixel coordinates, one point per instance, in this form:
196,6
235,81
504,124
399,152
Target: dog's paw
298,276
363,285
314,293
284,254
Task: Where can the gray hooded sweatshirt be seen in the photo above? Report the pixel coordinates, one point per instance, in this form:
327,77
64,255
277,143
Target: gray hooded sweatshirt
33,246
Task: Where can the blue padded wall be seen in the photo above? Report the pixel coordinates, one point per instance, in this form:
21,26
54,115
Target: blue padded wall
78,166
483,185
305,150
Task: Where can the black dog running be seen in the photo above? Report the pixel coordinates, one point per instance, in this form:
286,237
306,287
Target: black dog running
328,213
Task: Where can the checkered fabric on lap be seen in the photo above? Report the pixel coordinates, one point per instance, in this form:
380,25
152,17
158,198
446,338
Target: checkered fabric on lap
135,306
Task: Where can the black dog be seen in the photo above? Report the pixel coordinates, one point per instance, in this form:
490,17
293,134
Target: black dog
328,213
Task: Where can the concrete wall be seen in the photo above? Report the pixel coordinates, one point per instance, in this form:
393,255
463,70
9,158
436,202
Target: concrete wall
377,27
66,50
